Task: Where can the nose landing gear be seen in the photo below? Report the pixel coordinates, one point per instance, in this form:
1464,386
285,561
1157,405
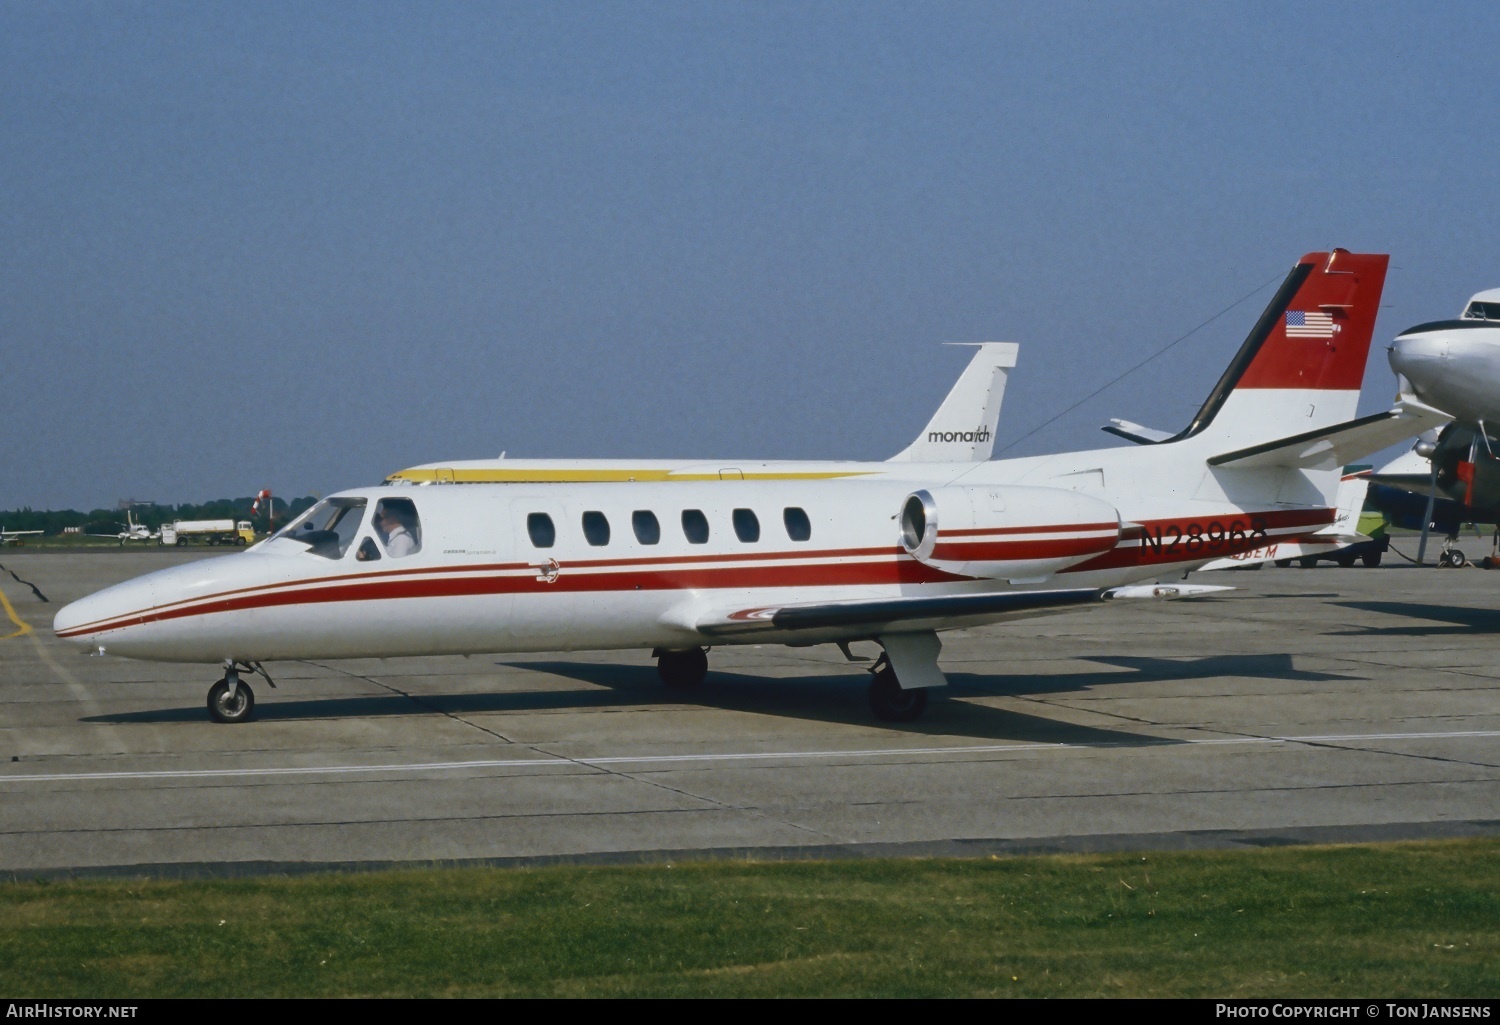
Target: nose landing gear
231,699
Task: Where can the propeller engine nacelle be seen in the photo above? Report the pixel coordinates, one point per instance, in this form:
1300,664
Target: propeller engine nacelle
1005,531
1468,468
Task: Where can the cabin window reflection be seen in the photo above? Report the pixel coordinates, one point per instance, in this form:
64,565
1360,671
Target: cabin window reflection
647,529
746,526
595,529
798,526
541,531
695,526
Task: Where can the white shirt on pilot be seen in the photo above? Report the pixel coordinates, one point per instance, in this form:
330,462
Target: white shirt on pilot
400,542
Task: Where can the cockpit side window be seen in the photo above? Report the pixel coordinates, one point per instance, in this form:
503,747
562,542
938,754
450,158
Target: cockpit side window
398,526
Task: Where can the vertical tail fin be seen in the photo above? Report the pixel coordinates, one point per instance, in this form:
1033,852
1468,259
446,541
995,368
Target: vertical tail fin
1303,364
963,428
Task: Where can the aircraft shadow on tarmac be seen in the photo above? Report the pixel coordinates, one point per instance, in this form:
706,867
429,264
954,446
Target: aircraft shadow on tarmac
1454,619
826,697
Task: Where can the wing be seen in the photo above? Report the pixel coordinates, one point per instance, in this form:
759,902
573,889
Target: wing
1333,447
872,616
815,622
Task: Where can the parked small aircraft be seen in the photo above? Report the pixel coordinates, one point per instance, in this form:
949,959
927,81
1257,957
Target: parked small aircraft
889,552
13,537
131,531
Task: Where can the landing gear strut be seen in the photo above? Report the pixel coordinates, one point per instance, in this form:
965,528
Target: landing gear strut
681,670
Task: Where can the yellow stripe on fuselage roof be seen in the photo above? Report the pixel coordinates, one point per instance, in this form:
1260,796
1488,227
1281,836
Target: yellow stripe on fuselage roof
499,475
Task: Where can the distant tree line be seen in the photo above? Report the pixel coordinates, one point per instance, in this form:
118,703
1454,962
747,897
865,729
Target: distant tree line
109,521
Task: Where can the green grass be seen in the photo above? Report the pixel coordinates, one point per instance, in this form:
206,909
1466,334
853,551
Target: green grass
1396,920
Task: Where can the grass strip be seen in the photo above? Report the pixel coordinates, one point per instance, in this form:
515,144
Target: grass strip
1390,920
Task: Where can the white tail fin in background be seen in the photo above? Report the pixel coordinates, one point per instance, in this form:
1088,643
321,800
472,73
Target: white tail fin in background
963,428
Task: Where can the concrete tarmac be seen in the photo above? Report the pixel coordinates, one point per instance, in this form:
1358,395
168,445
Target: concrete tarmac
1310,705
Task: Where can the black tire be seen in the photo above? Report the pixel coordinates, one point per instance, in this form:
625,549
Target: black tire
892,704
1283,563
1307,561
1456,559
224,707
1370,559
1345,561
682,670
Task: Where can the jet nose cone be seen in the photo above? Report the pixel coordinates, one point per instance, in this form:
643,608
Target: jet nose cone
70,623
104,616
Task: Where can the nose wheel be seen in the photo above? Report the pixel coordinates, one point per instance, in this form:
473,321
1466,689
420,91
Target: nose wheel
231,700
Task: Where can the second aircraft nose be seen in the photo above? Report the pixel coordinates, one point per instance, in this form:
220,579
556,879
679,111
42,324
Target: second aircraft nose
1412,352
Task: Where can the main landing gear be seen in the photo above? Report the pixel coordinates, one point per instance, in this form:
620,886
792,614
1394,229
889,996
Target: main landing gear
907,667
681,670
889,701
231,699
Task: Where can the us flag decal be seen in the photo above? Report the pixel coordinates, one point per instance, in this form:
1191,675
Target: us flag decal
1308,325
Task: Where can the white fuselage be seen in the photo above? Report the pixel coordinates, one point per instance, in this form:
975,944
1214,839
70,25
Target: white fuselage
479,583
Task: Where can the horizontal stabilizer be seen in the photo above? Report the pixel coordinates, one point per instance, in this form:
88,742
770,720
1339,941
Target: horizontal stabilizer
1332,447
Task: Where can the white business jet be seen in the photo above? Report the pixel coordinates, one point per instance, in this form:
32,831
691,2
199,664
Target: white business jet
890,552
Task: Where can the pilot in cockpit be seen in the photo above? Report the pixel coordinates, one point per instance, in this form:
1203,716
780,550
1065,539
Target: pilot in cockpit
396,521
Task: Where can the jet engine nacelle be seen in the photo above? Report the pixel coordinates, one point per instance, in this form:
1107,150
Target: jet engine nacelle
1006,532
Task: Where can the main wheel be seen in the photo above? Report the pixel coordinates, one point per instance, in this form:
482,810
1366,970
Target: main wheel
225,705
890,702
1456,559
682,670
1371,559
1307,561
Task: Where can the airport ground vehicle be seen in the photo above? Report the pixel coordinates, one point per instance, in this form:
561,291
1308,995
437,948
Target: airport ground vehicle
212,532
1367,553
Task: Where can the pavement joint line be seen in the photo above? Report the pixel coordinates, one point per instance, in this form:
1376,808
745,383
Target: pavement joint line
415,699
557,761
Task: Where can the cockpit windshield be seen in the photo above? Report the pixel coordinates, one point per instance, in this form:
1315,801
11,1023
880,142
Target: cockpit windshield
1482,311
328,528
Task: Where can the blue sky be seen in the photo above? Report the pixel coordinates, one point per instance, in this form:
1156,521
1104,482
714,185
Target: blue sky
300,246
